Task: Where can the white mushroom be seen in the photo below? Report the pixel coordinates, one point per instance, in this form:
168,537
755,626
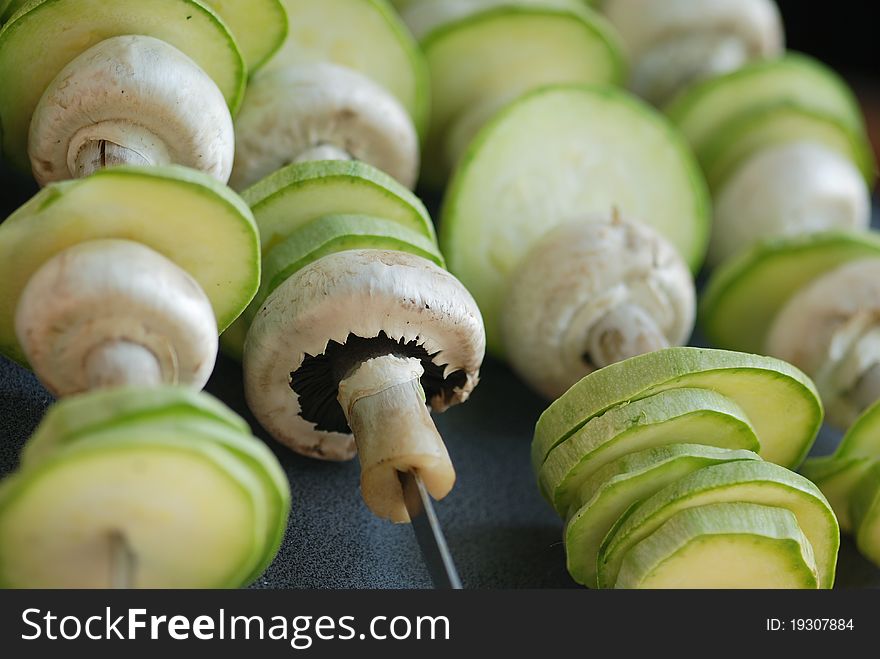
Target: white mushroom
675,43
113,312
363,342
790,189
130,100
592,293
321,111
831,330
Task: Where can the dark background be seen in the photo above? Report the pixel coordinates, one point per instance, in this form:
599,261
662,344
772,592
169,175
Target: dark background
499,529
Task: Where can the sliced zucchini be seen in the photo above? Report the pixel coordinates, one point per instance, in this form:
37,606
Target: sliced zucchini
696,416
539,163
761,483
780,402
705,110
865,509
364,35
471,60
862,440
45,36
744,295
838,479
190,512
187,216
723,545
744,136
300,193
259,27
610,491
85,414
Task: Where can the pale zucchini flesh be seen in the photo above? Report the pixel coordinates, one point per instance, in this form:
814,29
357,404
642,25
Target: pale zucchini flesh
608,493
185,215
744,295
538,164
780,402
723,546
838,479
677,416
761,483
188,511
259,27
865,509
45,36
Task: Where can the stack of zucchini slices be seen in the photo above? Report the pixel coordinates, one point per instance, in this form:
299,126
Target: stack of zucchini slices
672,469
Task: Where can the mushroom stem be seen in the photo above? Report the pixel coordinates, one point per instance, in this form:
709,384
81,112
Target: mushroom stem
324,151
122,562
99,154
625,331
384,404
122,363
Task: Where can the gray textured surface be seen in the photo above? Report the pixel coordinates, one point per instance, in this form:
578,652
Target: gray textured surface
500,531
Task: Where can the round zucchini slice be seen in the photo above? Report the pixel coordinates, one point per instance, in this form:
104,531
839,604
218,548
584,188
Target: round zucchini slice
45,36
723,546
539,163
186,216
364,35
744,295
865,509
610,492
471,58
86,414
838,479
780,402
695,416
756,482
705,110
190,512
303,192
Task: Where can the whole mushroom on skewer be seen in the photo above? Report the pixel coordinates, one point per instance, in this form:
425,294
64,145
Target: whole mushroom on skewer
334,92
99,291
121,82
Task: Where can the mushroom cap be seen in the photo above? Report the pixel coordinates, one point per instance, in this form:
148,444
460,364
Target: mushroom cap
790,189
138,92
295,109
642,24
574,276
358,293
107,291
45,36
820,326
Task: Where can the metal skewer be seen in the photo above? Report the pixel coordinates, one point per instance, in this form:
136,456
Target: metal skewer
428,532
122,563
